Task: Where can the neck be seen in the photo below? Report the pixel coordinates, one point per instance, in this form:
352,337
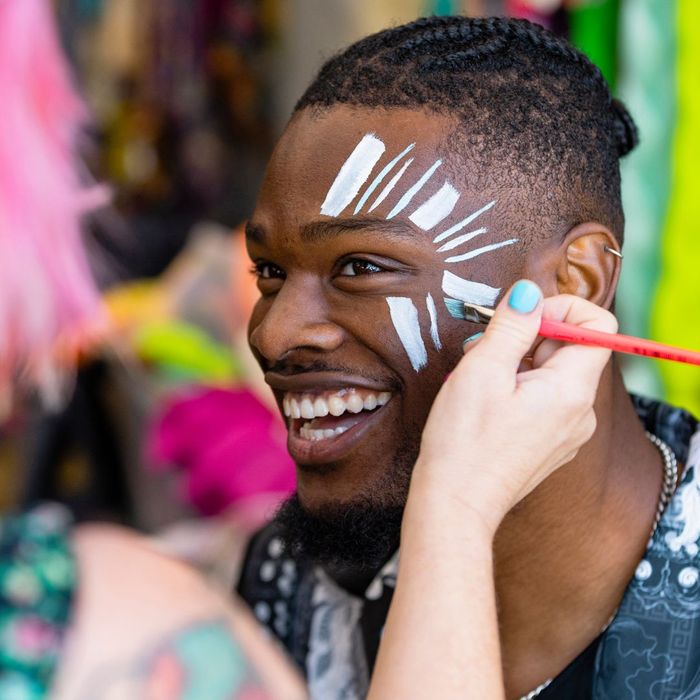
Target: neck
565,555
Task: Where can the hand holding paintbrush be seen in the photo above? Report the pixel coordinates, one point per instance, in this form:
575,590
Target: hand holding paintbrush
568,333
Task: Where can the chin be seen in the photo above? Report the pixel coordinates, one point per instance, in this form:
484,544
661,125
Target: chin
359,533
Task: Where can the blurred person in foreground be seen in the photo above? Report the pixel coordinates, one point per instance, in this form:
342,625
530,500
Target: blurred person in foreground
428,165
90,611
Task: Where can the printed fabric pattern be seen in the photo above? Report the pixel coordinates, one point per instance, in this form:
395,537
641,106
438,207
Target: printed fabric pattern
651,651
652,648
37,582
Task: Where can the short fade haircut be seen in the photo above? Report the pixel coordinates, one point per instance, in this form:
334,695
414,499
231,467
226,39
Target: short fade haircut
524,101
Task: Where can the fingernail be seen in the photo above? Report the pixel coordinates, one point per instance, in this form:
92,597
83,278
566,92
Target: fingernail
472,338
524,297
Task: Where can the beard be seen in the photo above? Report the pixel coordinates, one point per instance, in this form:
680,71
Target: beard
358,534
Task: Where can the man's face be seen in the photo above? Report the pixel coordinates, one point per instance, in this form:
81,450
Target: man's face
363,228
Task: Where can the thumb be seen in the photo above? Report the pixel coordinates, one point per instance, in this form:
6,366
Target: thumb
514,326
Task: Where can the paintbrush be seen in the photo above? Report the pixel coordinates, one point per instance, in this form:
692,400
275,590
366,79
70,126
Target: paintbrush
568,333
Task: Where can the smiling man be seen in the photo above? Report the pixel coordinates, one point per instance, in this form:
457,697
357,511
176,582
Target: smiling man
428,166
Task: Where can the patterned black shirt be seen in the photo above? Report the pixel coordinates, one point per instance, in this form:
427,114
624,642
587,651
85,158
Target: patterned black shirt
651,650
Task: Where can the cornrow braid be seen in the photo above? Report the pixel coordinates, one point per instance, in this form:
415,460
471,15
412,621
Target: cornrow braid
527,97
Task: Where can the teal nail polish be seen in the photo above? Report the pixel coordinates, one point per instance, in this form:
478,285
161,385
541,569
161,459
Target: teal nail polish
524,297
472,338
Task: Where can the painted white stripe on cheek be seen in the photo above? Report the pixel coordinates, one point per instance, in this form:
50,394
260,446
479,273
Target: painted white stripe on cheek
404,316
438,207
432,311
378,180
353,174
413,191
468,291
480,251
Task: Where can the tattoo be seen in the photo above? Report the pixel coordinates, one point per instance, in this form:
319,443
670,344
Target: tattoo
200,662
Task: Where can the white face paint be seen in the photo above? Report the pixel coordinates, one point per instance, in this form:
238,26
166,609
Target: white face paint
414,190
461,224
404,316
480,251
378,180
459,240
432,312
468,291
353,174
437,208
392,183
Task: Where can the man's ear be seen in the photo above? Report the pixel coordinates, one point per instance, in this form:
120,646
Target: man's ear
585,268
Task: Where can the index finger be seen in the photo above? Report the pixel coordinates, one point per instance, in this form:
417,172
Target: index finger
570,357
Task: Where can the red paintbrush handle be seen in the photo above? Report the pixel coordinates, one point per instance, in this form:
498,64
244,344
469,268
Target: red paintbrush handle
557,330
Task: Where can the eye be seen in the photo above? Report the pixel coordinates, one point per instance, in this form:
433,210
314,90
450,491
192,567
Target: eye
357,266
266,271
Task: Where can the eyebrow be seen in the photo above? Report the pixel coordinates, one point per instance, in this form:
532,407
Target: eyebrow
318,231
254,233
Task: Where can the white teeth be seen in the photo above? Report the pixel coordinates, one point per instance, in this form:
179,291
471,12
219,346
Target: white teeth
307,408
336,406
383,398
321,409
317,434
354,403
351,400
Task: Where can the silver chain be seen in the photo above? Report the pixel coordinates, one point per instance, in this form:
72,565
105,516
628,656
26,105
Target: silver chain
667,490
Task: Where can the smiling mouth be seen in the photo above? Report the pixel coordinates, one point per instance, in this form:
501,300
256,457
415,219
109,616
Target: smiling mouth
327,415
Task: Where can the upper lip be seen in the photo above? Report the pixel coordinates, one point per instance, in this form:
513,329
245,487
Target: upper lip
320,381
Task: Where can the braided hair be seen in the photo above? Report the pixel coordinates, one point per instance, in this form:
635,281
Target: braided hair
531,112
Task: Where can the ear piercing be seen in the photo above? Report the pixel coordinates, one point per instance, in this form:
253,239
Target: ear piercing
612,251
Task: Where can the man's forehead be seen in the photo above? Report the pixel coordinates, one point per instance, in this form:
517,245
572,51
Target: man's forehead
340,126
316,146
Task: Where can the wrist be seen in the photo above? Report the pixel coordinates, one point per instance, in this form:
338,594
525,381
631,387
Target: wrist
433,510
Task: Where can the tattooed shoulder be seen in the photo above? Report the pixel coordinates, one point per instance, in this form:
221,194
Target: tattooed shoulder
201,661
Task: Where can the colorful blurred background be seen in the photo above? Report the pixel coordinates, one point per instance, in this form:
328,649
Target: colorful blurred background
167,426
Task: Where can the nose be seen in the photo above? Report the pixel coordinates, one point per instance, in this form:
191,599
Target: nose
296,320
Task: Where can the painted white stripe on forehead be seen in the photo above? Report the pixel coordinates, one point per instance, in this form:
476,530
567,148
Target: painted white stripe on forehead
404,316
353,174
461,239
432,312
391,184
378,180
438,207
468,291
413,191
480,251
460,225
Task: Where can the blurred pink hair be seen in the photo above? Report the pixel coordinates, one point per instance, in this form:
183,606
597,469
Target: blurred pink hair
46,290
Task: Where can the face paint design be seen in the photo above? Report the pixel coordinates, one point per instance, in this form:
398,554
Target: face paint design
378,180
432,312
354,173
479,251
464,222
404,315
468,291
414,190
392,183
437,208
